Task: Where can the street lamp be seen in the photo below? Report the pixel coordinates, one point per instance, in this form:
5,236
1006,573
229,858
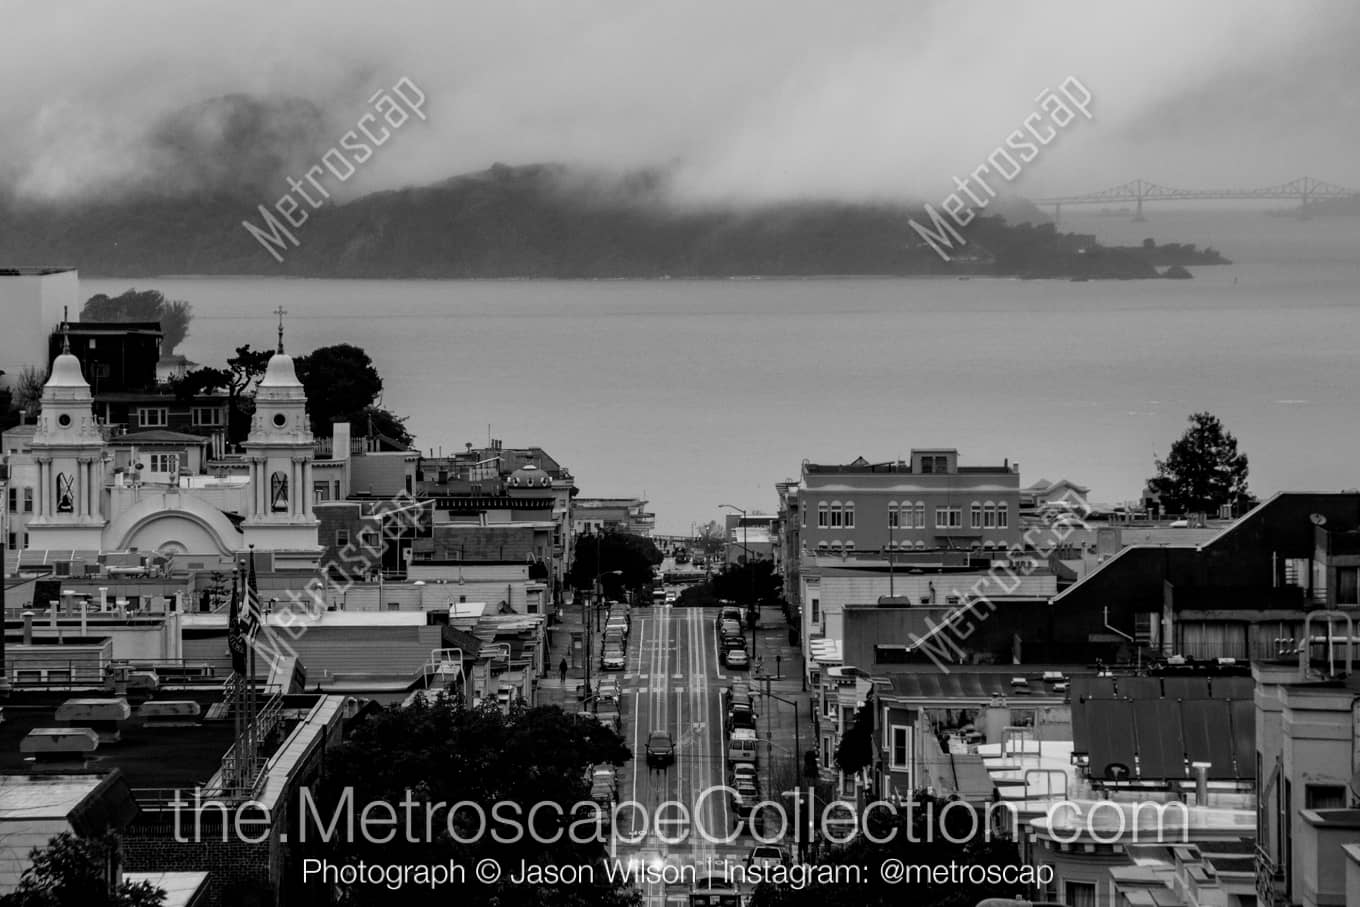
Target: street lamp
750,572
599,593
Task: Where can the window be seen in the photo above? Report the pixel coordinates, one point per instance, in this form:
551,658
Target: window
207,415
1346,591
900,740
975,515
25,539
1324,796
1079,894
13,541
822,522
822,545
948,517
66,493
934,464
28,501
278,492
837,514
850,546
892,515
850,515
920,515
1002,516
164,462
341,538
13,501
321,491
152,417
816,610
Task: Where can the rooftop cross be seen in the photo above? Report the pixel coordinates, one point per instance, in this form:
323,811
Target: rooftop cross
280,311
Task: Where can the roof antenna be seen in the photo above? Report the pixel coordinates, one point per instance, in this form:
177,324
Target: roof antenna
280,311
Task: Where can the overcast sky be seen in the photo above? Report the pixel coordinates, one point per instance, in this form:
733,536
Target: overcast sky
764,98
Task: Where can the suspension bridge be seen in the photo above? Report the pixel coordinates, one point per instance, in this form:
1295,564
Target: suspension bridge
1305,189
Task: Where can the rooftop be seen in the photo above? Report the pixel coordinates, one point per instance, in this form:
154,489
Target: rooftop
141,754
31,271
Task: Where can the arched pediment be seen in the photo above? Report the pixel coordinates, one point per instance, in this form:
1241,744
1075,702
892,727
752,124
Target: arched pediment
190,526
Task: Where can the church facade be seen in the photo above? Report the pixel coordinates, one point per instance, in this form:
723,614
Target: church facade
152,491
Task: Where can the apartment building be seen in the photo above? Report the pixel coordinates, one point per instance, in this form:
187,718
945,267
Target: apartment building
926,502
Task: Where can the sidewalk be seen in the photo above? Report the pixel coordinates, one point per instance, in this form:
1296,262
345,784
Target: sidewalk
551,689
785,722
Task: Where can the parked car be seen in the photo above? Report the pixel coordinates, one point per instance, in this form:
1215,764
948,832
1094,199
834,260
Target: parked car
741,717
747,796
660,749
608,688
730,612
614,658
766,856
738,659
743,771
729,628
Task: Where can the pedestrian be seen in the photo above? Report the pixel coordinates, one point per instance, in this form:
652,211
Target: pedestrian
562,669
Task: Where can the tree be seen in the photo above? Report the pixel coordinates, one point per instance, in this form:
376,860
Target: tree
712,539
855,752
440,751
237,379
606,552
143,305
71,870
739,582
377,421
28,390
341,384
1203,471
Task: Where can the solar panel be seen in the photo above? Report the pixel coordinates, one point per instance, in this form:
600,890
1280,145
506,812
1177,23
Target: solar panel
1112,734
1161,747
1244,736
1185,687
1208,735
1140,687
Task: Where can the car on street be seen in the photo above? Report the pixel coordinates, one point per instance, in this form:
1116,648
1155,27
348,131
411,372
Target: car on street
614,658
741,717
743,771
730,612
738,659
608,688
660,749
747,796
766,856
729,628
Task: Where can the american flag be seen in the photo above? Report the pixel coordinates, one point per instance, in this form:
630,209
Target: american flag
244,622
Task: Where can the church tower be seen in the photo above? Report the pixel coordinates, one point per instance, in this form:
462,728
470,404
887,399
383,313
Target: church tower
68,449
280,450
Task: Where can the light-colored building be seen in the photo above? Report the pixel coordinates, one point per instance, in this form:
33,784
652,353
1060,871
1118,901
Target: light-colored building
78,490
751,536
630,515
35,301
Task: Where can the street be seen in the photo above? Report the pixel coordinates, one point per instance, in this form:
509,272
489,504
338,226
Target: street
673,681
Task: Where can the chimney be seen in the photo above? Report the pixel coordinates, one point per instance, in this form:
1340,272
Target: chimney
28,628
1201,782
340,440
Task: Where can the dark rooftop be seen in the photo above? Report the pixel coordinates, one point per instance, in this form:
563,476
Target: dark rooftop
144,755
30,271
